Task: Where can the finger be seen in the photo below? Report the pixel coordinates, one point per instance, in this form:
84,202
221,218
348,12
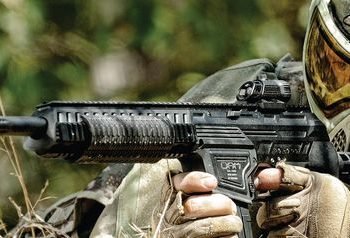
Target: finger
208,205
268,179
295,178
224,226
194,182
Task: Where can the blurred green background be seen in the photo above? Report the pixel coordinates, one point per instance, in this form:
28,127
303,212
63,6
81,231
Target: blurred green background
124,50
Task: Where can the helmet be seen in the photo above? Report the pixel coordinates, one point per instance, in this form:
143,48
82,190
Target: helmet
326,60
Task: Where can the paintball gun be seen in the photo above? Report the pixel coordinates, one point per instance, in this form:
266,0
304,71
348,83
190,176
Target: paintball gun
226,140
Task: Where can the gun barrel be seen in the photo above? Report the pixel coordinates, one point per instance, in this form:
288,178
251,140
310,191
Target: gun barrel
22,126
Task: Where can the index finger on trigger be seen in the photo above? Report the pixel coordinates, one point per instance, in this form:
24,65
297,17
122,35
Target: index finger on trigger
268,179
194,182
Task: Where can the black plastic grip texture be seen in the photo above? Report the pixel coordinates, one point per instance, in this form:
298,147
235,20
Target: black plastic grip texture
131,138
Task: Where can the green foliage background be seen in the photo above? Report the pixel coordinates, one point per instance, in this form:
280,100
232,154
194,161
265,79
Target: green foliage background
125,50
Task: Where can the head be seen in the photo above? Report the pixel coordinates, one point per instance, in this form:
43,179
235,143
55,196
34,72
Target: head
327,67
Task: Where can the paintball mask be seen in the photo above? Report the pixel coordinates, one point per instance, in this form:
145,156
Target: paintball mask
327,67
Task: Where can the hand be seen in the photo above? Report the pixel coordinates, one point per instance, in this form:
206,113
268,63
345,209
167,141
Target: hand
204,215
303,203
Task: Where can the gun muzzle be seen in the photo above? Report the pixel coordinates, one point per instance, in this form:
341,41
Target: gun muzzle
34,127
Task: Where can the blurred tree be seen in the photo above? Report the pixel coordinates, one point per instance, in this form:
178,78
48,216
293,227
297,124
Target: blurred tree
126,50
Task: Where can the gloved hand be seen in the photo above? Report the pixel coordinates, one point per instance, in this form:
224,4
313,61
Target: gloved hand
306,204
182,214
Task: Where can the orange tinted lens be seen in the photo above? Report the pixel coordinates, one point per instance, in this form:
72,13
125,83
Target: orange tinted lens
328,72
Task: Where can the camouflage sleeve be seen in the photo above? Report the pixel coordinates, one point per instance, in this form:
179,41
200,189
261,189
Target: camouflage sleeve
130,213
78,212
114,204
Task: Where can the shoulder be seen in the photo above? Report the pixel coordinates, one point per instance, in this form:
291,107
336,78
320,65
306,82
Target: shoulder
222,86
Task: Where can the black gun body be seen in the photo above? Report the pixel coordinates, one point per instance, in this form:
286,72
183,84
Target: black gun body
282,133
229,140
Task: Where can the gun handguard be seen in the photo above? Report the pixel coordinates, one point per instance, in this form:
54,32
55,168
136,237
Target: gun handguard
139,139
